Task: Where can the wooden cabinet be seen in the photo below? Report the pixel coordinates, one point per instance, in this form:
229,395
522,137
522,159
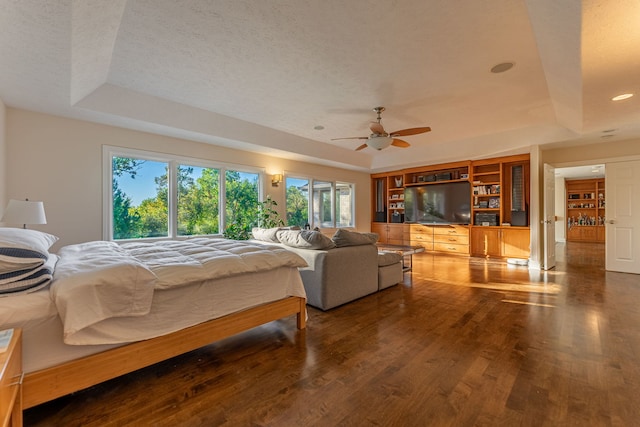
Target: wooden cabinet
419,235
485,241
11,382
500,242
439,238
498,200
455,171
516,242
392,234
585,210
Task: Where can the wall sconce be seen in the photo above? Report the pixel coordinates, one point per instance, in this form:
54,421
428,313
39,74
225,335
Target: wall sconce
24,212
276,179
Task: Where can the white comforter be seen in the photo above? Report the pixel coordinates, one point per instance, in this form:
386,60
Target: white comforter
100,280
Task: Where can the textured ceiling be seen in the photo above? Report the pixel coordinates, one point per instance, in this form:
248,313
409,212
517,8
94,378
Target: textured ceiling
261,75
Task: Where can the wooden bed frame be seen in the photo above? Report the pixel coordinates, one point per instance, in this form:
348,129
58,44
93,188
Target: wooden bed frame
50,383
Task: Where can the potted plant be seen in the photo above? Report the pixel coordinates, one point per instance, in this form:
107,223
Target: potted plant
265,216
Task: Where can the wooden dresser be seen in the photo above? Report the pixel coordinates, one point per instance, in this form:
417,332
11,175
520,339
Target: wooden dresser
11,382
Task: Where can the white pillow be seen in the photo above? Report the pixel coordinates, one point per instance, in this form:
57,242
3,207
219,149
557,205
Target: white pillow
21,249
265,234
305,239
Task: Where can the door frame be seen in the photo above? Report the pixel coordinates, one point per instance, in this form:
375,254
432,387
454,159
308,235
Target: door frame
559,165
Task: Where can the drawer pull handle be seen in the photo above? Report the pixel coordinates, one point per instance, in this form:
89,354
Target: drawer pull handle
19,382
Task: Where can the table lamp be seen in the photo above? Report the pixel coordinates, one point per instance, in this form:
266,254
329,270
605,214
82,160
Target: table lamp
24,212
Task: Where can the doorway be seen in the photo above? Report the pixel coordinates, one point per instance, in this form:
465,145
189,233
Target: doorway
591,200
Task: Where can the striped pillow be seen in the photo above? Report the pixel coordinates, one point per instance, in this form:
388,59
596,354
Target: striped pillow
22,249
26,281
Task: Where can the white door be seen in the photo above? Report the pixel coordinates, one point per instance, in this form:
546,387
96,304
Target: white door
622,216
549,220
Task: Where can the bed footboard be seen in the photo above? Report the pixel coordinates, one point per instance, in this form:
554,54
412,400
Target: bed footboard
48,384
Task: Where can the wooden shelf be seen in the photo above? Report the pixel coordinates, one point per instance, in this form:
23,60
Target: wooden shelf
585,210
491,177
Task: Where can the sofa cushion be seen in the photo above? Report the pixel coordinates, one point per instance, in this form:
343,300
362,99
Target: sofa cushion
353,238
304,239
265,234
388,258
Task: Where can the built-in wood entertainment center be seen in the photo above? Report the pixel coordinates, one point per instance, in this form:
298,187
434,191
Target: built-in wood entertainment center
416,207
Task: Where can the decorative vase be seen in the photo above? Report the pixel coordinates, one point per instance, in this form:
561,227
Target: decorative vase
398,181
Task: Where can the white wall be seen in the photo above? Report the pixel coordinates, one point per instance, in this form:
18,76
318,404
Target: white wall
59,161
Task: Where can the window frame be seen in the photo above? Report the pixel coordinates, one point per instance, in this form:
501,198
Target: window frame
108,152
310,201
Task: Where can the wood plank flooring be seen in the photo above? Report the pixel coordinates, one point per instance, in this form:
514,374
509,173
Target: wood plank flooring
462,342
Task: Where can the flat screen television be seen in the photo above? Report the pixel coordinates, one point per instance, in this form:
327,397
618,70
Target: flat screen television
446,203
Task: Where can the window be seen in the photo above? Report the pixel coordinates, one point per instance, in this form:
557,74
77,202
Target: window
149,195
140,207
331,204
322,204
198,200
344,204
241,201
297,201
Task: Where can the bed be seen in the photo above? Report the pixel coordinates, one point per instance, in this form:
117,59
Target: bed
98,310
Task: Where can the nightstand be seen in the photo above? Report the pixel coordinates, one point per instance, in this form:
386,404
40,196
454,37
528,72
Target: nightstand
11,382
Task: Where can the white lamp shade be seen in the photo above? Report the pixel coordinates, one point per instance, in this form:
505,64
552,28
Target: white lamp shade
24,212
379,142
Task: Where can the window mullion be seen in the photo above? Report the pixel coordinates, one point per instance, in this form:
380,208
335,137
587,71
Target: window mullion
172,211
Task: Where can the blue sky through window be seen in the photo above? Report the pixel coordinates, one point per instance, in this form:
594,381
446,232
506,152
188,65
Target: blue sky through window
143,186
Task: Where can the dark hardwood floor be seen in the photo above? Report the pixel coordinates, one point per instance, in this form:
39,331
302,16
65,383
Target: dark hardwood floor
463,342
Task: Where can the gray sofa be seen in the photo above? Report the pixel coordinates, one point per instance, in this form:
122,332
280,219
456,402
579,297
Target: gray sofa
341,269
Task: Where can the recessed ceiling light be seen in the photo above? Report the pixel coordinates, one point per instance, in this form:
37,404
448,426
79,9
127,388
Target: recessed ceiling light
318,127
502,67
622,97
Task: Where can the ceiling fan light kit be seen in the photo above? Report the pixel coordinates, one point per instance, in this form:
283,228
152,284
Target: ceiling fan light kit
379,142
380,139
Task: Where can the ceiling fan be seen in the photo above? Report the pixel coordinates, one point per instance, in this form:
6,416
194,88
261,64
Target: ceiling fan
380,139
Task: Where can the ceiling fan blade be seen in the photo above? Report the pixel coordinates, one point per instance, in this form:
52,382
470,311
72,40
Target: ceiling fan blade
361,147
377,128
411,131
400,143
351,137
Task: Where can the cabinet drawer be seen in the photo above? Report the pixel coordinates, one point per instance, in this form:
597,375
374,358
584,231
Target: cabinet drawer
426,244
451,238
421,229
422,238
451,230
451,247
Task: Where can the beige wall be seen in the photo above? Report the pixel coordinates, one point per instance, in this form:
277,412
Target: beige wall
597,153
59,161
3,159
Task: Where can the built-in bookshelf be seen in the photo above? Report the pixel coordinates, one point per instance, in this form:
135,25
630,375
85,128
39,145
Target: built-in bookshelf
585,210
498,206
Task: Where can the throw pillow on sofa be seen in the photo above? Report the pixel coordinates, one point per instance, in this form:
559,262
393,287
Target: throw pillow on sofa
304,239
352,238
265,234
269,234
